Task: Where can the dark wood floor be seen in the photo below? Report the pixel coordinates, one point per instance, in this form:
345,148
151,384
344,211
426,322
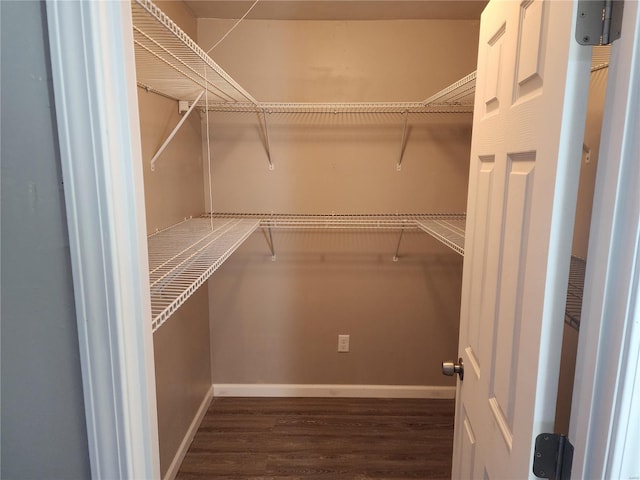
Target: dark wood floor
322,438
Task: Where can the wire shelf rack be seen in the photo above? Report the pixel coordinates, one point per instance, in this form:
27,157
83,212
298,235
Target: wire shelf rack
449,230
393,221
170,63
337,108
575,288
456,98
600,57
183,257
461,92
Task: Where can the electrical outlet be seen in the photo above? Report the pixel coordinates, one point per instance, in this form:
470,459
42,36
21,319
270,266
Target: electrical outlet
343,343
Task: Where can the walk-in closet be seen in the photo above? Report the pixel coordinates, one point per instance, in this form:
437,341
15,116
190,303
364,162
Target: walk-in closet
305,178
338,239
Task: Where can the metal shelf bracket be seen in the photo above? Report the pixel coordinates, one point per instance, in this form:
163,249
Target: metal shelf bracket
266,137
269,237
174,131
402,142
587,153
395,256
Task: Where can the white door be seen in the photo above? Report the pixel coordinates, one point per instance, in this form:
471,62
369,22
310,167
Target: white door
525,158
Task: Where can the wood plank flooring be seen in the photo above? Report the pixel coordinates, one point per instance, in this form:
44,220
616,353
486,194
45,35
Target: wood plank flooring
322,438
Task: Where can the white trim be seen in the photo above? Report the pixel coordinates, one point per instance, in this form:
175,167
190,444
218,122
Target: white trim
338,391
93,72
174,468
604,402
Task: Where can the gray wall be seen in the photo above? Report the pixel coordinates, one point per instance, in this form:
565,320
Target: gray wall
43,420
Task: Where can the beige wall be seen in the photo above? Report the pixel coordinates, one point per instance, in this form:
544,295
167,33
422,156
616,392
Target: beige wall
277,322
172,192
183,372
592,130
340,164
343,61
565,379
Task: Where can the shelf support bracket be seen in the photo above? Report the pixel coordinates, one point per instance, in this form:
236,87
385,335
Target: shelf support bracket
269,237
395,257
174,131
402,142
266,136
587,153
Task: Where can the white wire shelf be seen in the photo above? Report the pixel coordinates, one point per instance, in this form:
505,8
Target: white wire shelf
394,221
170,63
461,92
575,288
183,257
449,230
600,57
456,98
336,108
440,225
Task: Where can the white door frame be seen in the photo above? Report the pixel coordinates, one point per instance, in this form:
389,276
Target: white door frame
93,69
605,418
97,113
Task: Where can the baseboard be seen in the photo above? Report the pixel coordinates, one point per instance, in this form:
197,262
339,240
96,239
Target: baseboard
361,391
188,438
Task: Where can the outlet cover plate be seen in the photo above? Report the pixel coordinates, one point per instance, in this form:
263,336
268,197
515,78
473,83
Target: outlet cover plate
343,343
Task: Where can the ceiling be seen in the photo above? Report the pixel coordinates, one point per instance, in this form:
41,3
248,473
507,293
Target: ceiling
339,9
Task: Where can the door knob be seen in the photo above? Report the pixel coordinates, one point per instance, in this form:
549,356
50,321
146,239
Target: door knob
450,369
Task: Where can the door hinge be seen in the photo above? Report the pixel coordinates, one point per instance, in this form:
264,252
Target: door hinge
552,457
599,22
